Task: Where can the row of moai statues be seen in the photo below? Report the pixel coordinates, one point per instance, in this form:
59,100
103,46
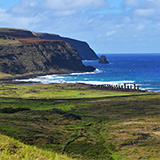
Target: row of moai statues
123,87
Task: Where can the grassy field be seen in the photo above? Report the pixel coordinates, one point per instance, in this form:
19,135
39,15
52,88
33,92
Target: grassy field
80,122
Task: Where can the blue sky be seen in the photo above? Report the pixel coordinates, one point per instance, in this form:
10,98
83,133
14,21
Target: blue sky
109,26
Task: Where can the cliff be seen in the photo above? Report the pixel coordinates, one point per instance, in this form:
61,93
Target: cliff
21,52
83,49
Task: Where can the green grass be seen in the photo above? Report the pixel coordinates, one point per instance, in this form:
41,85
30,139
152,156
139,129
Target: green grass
82,122
11,149
58,91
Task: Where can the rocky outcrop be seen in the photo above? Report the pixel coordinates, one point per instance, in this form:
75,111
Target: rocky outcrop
83,49
40,57
103,60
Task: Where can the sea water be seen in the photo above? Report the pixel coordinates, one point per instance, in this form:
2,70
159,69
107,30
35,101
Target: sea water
140,69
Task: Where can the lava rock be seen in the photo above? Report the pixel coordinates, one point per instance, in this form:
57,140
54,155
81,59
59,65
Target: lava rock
103,60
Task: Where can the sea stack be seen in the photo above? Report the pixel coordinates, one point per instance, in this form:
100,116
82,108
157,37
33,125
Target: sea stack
103,60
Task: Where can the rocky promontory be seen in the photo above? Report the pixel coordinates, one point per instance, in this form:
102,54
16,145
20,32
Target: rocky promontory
21,52
83,49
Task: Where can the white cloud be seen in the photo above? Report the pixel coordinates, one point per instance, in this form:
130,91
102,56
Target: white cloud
144,7
64,13
8,19
71,4
110,33
131,3
145,12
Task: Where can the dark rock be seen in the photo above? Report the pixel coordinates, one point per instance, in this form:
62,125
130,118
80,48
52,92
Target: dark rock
103,60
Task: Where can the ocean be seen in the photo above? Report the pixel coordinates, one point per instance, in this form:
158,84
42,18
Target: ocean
140,69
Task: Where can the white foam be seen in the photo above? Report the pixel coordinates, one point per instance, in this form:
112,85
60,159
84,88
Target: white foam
96,71
60,79
46,77
90,61
28,80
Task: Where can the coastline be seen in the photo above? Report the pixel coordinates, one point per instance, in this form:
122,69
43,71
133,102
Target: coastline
34,75
107,87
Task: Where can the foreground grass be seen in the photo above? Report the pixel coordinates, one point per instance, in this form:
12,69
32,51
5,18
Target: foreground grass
14,150
82,122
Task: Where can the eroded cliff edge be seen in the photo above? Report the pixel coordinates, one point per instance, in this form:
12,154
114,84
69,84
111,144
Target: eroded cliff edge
83,49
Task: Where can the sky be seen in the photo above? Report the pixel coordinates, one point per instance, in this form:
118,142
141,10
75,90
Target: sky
108,26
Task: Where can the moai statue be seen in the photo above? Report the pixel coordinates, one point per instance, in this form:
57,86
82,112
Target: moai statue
134,86
138,87
130,87
121,87
124,86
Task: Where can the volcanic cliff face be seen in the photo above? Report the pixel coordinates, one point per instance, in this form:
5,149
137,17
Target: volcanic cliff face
83,49
23,53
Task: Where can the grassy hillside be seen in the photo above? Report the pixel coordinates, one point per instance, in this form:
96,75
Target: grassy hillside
15,150
82,122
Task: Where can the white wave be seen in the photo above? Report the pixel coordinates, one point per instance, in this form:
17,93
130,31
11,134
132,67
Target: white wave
55,76
47,77
96,71
59,79
90,61
28,80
